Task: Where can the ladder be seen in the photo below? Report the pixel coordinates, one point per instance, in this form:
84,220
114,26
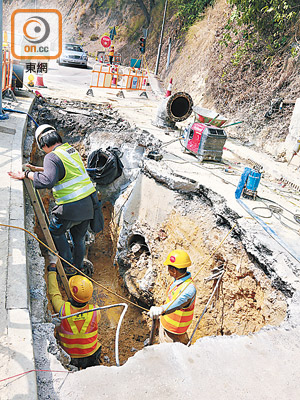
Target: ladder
44,222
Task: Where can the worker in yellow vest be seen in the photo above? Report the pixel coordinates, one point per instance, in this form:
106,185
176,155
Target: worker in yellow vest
77,334
74,193
176,314
111,54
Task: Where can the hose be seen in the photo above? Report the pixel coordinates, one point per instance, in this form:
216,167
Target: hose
102,308
269,230
21,112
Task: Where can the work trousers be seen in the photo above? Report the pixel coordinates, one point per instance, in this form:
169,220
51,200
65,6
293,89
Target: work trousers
169,337
78,229
85,362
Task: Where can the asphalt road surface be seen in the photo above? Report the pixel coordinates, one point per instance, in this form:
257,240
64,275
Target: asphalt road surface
60,76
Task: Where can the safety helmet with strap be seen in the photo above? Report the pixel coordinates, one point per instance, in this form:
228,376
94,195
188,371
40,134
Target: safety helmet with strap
41,131
81,288
178,259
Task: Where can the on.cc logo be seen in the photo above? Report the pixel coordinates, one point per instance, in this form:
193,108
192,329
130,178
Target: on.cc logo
36,30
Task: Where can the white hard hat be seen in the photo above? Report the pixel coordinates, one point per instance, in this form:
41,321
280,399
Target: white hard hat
41,131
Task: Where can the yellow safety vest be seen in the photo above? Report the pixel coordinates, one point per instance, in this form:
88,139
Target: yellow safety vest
178,321
76,184
111,52
77,343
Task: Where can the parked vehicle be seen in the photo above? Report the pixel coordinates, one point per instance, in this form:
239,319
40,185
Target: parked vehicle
73,54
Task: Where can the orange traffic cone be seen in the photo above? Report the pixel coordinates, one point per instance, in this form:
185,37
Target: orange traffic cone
39,80
169,90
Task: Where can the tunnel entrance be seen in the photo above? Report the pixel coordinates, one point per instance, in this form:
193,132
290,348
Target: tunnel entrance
246,300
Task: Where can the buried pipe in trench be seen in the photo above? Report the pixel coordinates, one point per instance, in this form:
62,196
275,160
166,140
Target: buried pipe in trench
175,108
57,320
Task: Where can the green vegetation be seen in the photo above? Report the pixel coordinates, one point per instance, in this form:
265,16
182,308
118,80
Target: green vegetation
189,11
256,22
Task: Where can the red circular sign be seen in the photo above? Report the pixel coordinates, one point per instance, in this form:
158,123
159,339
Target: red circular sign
105,41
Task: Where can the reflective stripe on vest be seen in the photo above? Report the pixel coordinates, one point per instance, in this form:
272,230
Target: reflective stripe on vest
75,343
76,183
178,321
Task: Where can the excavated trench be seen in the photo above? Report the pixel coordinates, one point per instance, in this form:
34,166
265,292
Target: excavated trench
145,218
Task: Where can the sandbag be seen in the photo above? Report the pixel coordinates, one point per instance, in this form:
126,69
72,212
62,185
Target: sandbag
104,167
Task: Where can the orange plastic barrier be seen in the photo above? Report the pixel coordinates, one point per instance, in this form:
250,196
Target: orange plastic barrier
104,58
118,77
6,70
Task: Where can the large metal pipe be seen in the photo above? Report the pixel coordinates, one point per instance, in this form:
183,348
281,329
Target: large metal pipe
172,109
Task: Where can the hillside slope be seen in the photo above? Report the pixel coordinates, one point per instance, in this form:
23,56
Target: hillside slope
242,92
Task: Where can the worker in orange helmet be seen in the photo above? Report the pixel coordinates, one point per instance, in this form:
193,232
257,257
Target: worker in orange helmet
78,334
111,54
176,314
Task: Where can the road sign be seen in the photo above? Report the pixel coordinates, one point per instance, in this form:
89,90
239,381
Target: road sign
112,33
105,41
145,32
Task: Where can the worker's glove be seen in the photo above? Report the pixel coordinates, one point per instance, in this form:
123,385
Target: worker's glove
51,268
52,258
155,312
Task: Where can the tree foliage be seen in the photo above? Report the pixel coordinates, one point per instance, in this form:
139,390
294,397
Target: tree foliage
189,11
271,19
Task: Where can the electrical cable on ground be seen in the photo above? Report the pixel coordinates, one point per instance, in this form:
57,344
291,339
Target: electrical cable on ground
34,370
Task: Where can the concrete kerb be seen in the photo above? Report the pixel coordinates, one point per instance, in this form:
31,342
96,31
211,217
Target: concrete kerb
16,333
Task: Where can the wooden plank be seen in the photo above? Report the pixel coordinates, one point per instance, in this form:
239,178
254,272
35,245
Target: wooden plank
43,219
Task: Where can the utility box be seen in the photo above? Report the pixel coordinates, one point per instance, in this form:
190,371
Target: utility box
205,141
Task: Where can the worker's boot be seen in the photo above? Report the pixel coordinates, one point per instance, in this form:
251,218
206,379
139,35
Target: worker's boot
88,268
69,271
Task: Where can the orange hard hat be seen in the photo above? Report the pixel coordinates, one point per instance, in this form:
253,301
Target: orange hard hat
81,288
178,259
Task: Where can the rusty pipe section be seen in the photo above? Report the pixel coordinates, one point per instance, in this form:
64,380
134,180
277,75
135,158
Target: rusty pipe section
172,109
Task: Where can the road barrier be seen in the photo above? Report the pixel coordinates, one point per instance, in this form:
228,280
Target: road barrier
6,70
104,57
118,77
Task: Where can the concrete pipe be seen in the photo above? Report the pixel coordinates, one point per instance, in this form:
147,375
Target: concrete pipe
175,108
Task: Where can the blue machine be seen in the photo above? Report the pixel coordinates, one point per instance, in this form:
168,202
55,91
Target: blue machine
248,184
